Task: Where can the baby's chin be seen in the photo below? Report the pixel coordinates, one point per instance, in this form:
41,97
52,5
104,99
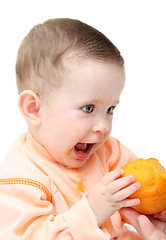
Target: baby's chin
69,161
76,163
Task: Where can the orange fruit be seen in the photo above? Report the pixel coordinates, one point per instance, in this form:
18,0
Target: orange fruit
152,176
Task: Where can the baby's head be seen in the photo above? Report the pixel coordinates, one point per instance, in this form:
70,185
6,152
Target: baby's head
41,58
70,78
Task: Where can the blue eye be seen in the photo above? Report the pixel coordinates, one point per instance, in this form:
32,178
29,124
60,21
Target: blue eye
110,110
88,108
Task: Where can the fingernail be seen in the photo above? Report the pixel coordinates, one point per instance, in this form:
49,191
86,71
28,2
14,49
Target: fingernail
163,212
156,215
121,171
132,177
138,185
137,201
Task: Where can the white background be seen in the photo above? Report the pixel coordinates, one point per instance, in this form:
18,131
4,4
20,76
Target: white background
137,28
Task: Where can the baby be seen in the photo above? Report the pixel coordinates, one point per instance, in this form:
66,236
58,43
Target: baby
62,178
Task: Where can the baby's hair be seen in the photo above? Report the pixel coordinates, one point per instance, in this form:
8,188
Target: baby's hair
40,56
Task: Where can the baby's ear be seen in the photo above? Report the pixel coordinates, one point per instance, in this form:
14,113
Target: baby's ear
29,105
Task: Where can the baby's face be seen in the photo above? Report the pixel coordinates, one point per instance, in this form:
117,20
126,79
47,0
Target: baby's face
77,118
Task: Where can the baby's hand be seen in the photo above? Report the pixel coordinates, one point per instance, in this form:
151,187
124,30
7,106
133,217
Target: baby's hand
111,194
161,216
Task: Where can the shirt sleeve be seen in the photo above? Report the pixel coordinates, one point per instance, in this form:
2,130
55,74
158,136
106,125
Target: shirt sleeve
84,217
25,213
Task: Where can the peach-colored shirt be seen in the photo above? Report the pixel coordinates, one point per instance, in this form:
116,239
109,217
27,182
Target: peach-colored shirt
42,199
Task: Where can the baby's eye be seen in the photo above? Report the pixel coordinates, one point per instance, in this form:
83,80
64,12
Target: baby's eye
88,108
110,110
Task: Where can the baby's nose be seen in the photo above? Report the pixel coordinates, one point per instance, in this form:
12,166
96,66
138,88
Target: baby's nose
102,126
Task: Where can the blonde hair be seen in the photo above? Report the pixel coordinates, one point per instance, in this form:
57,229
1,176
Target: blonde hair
40,54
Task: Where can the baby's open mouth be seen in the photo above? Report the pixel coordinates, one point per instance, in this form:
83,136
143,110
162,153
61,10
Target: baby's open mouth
82,150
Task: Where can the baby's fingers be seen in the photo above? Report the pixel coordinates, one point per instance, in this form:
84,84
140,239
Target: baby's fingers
129,202
126,192
111,176
121,183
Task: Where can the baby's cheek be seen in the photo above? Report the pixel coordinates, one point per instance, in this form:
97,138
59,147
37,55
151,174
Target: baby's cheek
66,152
